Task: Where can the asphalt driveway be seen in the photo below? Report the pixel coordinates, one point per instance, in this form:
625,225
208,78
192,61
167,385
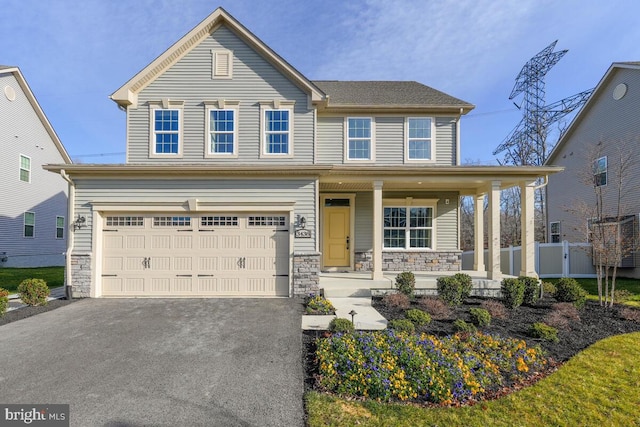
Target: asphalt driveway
160,362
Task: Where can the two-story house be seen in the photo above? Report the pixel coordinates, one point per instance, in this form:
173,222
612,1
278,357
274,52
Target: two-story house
605,130
33,206
245,178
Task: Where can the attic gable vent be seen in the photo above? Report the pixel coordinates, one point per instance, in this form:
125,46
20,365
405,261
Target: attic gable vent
222,63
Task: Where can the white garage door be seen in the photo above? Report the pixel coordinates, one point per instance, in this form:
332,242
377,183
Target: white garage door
205,255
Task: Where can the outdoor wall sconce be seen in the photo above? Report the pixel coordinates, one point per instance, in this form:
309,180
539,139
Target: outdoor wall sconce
79,223
302,222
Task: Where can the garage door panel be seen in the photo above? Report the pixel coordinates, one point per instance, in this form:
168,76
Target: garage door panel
133,285
183,285
229,263
112,285
134,263
135,242
208,263
183,242
261,285
113,263
228,285
183,263
113,242
161,285
207,286
160,263
208,242
161,242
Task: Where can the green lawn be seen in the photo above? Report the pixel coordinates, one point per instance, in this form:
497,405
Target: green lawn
598,387
10,278
591,286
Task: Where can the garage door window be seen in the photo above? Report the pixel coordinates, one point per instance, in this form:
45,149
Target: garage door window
267,221
219,221
125,221
171,221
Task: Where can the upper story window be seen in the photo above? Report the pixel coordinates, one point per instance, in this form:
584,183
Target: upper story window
59,227
359,138
222,67
277,129
29,224
25,168
166,129
600,172
222,122
419,138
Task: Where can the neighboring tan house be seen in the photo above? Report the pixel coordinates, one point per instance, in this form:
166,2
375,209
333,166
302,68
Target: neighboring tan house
33,206
606,127
245,178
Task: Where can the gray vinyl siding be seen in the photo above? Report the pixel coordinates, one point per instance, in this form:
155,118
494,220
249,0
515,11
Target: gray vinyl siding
446,218
22,132
189,80
389,140
220,190
614,123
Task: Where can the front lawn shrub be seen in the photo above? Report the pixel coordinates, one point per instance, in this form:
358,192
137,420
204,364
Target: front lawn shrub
406,283
544,332
461,326
402,325
548,288
450,290
396,300
531,290
569,290
480,317
632,314
562,315
341,325
435,307
418,317
387,365
512,292
621,295
495,308
317,304
4,301
466,284
34,291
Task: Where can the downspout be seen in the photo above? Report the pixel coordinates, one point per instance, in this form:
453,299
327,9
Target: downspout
458,137
70,235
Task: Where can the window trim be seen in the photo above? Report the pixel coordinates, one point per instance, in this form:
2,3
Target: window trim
432,139
606,171
551,233
215,54
24,225
20,169
276,105
408,203
60,227
165,104
372,140
221,105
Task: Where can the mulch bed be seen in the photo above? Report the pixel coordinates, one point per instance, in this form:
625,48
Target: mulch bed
24,312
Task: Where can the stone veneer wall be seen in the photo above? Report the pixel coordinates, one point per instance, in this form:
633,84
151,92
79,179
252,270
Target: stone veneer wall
306,273
411,261
80,275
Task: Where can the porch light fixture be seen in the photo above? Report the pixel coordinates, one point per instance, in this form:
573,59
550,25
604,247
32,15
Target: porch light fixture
302,222
79,223
352,313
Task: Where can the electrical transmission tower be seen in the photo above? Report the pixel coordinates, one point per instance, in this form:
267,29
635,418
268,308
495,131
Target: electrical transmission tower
527,142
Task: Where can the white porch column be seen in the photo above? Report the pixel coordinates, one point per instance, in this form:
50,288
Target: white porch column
527,226
478,233
376,273
493,270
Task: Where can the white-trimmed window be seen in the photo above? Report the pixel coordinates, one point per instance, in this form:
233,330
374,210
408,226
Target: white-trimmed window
222,129
277,129
222,64
25,168
166,128
359,138
554,232
409,225
600,172
59,227
29,224
419,140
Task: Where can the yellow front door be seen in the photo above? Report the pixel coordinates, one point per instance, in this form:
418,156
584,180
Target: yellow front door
336,236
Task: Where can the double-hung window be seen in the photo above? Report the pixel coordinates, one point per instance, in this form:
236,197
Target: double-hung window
554,231
25,168
600,172
359,138
29,224
59,227
222,122
166,128
419,138
277,129
408,227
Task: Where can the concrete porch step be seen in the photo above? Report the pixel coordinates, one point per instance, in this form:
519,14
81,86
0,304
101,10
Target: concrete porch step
367,317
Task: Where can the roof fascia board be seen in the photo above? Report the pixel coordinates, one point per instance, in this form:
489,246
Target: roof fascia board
399,109
127,94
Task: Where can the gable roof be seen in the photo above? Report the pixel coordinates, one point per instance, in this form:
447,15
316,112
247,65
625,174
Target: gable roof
631,65
128,93
36,107
397,94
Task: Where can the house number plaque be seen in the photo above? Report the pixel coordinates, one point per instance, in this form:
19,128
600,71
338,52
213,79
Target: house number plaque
303,233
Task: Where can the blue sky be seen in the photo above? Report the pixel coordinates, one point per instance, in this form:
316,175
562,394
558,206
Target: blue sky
75,53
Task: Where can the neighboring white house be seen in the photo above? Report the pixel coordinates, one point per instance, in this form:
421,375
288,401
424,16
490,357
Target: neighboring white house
245,178
33,206
608,123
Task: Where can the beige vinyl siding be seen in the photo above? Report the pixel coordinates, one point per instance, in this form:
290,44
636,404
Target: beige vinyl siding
330,149
22,133
220,190
389,140
446,218
445,148
189,80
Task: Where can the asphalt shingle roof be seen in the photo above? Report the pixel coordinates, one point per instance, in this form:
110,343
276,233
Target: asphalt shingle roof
386,93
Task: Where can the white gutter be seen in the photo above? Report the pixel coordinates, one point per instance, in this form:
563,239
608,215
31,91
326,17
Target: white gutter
458,137
70,234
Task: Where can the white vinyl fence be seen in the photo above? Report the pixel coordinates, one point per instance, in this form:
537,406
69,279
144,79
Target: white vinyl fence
552,260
